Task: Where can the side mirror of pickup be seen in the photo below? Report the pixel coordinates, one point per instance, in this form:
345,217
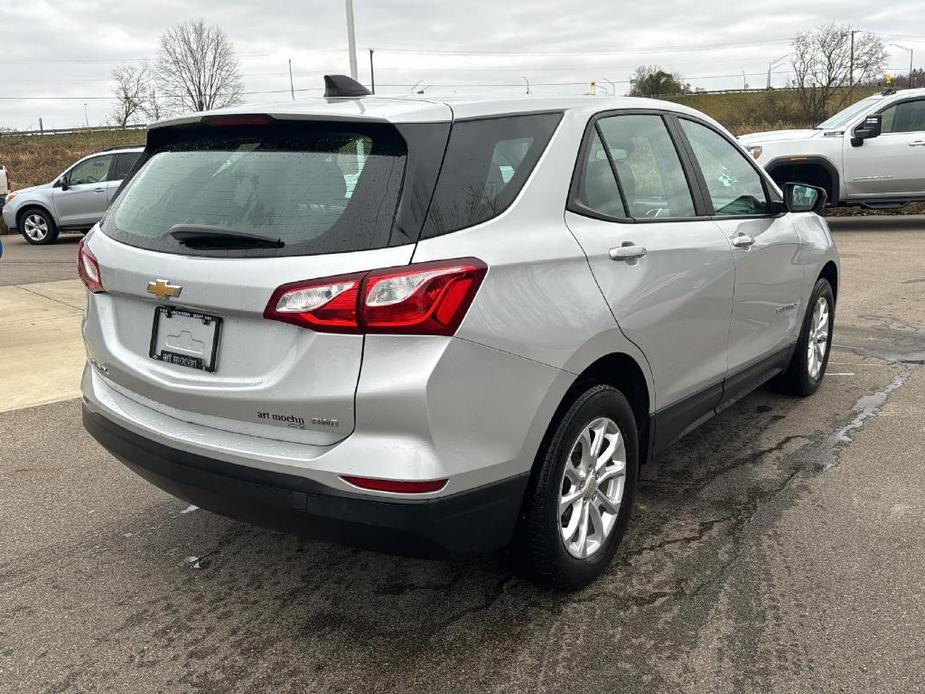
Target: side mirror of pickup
871,127
799,197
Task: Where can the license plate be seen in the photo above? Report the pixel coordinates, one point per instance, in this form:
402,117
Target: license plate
185,338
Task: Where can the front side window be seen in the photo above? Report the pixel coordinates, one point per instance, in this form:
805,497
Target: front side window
648,166
487,162
95,170
904,117
735,186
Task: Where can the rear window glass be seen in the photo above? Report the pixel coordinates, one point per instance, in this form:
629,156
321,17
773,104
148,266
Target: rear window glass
487,163
312,188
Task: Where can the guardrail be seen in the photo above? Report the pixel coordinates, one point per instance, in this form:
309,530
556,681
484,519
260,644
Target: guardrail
67,131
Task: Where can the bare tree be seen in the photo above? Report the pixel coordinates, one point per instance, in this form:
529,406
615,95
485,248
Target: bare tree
197,68
131,83
822,65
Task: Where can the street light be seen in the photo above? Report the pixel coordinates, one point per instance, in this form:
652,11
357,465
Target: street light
527,82
416,86
773,64
351,40
911,56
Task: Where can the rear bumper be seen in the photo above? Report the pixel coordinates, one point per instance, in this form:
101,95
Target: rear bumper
470,522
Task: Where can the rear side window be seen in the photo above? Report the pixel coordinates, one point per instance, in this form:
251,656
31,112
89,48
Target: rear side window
313,187
597,187
122,165
486,165
647,163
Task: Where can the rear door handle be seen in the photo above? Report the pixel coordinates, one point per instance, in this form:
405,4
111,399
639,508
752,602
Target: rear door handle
627,251
99,190
743,241
917,143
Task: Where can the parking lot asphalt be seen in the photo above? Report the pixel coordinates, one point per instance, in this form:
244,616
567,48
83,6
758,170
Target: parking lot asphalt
779,548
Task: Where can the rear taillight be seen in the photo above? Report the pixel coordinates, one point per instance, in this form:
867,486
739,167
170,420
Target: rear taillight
88,268
396,486
424,299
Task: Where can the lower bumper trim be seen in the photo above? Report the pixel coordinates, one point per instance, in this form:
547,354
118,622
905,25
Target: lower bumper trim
463,524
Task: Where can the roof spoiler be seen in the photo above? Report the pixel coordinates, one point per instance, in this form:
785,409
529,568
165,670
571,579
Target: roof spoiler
343,86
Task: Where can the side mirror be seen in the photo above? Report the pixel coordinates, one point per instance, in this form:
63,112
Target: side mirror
799,197
871,127
63,183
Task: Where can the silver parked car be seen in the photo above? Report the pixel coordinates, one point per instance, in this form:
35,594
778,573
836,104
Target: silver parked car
73,201
440,328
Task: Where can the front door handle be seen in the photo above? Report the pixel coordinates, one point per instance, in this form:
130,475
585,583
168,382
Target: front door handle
743,241
627,251
99,190
917,143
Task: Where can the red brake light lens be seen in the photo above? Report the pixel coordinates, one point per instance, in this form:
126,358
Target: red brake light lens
423,299
397,486
88,269
237,120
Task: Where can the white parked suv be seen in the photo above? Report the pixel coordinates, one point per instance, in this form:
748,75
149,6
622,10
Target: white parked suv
5,182
872,153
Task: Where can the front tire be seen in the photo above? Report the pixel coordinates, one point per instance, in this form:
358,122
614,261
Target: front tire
37,227
581,498
811,354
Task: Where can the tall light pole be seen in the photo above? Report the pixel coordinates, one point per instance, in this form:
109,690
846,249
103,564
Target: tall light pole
911,56
851,68
773,64
527,82
351,40
86,117
291,84
372,73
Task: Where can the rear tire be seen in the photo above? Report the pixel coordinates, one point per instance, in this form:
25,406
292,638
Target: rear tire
807,368
37,226
574,518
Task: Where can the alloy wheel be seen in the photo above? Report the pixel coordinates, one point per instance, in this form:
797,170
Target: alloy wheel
35,227
818,338
591,488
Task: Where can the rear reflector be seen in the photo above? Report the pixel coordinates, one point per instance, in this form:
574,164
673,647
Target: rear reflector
397,486
423,299
88,269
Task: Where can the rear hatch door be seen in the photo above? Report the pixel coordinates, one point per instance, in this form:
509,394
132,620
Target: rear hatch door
215,219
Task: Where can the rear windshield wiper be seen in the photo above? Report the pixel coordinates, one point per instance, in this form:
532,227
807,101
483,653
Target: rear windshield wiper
205,237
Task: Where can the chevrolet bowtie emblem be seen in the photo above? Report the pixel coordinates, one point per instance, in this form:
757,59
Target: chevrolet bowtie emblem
163,289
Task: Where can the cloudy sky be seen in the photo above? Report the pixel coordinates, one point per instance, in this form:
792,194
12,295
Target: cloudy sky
55,57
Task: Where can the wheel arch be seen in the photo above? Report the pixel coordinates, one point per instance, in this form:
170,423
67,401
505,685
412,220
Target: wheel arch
830,272
622,371
33,206
814,163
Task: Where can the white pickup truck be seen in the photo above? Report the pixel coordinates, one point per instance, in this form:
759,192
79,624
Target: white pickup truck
872,153
6,180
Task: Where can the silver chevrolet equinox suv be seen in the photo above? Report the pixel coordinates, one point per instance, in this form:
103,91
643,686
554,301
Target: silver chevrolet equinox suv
438,328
